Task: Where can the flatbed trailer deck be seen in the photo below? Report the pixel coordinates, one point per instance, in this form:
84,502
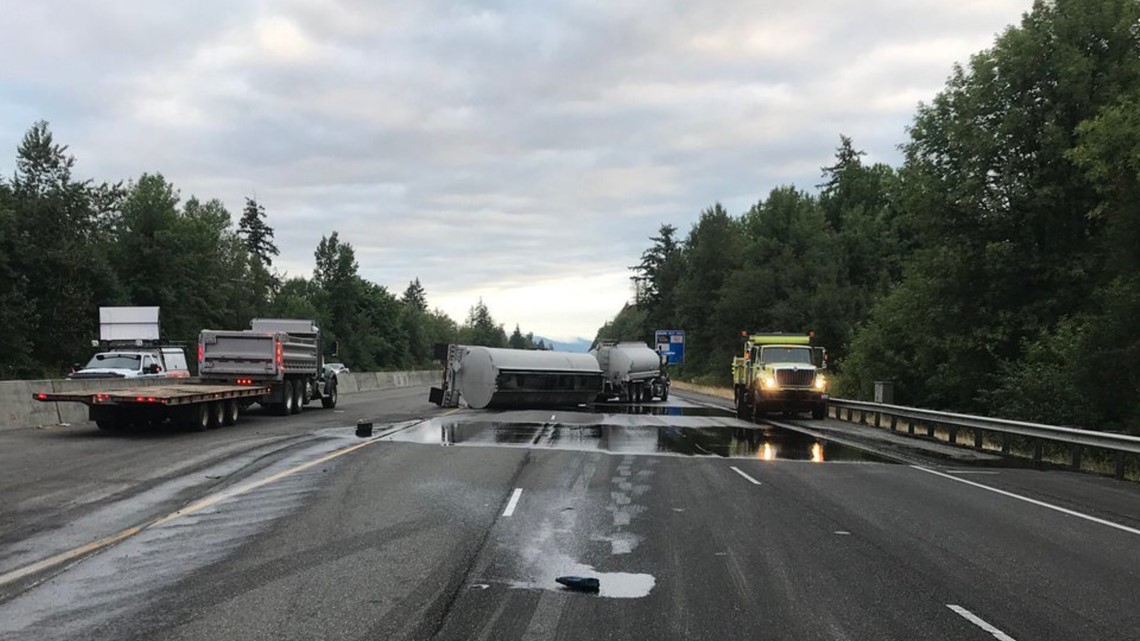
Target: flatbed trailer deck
197,407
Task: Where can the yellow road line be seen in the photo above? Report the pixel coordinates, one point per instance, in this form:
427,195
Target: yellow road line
197,506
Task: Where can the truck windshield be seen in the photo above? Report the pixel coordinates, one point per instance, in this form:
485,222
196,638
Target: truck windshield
114,361
786,355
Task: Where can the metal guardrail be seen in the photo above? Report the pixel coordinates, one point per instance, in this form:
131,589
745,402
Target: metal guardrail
1076,439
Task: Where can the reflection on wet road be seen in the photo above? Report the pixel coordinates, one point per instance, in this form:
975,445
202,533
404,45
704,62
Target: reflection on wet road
645,429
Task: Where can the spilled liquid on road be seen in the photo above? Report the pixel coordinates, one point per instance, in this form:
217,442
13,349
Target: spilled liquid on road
687,431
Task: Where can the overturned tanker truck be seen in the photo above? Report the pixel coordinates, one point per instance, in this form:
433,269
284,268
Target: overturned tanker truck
490,377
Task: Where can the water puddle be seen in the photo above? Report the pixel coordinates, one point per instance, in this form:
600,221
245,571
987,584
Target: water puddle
625,434
614,585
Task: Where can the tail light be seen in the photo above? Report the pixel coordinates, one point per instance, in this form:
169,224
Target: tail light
201,353
280,356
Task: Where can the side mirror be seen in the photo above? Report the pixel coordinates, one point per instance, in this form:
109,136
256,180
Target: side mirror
153,369
820,357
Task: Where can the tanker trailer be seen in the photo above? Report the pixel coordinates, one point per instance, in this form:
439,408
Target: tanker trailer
632,372
490,377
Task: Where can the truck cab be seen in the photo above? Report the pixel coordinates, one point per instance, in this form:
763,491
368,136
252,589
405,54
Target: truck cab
780,373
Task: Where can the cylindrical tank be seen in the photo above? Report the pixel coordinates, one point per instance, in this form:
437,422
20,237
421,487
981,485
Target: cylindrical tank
500,378
625,362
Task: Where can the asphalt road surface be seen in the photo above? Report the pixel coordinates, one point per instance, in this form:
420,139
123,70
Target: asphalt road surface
455,525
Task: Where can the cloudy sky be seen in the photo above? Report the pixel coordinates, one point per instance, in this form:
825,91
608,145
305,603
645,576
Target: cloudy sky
518,151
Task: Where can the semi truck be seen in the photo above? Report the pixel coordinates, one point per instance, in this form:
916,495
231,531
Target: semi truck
631,372
284,357
779,372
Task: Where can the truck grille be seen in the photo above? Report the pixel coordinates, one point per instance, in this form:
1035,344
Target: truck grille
795,377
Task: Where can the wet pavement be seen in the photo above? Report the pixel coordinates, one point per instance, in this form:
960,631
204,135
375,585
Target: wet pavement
682,429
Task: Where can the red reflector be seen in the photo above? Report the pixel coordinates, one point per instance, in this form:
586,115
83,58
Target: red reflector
151,399
139,399
41,396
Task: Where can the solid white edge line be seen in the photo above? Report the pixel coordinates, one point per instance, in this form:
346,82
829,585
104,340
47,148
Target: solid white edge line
980,622
513,502
1057,508
740,472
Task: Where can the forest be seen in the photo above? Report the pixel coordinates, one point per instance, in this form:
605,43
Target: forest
995,270
69,245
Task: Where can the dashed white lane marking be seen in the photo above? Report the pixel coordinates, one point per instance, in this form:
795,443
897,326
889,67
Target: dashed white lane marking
513,502
1057,508
749,478
979,472
842,532
980,622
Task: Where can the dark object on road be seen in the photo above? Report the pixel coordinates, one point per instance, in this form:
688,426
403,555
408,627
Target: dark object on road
580,583
364,429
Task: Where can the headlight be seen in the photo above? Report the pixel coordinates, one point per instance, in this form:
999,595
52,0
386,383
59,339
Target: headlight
770,383
820,383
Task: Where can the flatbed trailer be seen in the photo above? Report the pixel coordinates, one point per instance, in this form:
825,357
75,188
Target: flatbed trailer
193,406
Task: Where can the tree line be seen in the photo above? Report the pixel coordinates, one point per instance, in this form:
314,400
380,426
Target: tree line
997,270
70,245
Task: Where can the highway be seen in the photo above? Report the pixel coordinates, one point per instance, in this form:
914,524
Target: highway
454,524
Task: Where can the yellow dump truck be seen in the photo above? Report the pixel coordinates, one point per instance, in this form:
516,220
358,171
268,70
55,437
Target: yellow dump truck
779,373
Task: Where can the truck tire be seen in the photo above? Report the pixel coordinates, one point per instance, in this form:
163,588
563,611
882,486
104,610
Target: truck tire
298,396
665,395
285,407
217,414
110,424
307,396
647,393
233,410
328,401
743,412
819,411
195,418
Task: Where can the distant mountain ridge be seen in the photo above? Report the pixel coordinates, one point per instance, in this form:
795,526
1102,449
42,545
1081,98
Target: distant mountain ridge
581,345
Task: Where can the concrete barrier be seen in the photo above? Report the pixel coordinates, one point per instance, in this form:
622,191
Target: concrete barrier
19,410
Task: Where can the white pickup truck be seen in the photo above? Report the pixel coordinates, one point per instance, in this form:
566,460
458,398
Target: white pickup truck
162,362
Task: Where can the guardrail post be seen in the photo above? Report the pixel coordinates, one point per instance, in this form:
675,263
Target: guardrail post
953,429
849,413
894,423
878,419
1120,465
910,426
979,438
930,429
1077,449
1037,452
1006,443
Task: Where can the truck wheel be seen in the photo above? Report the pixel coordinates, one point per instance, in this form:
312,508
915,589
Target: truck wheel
665,395
217,414
307,396
742,410
232,412
195,418
819,411
328,401
109,424
298,396
285,407
647,394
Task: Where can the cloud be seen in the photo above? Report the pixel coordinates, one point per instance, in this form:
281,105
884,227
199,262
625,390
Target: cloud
519,151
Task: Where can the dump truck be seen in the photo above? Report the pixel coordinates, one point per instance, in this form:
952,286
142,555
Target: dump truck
779,373
189,405
632,372
491,377
285,357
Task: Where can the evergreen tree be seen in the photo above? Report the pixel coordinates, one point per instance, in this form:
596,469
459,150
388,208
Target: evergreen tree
415,296
257,235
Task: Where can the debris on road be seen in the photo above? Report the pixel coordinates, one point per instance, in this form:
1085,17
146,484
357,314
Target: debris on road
580,583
